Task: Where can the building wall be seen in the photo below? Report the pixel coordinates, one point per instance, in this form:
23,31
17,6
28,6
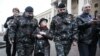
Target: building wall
75,7
93,3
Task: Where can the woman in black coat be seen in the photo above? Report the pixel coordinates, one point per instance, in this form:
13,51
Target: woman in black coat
42,35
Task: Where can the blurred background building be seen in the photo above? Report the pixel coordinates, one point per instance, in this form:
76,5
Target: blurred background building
75,6
46,14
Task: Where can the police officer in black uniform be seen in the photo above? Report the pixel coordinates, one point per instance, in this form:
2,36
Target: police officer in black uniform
23,28
87,36
6,38
42,35
61,27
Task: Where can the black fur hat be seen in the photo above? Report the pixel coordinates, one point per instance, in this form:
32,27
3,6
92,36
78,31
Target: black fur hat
61,5
42,19
29,9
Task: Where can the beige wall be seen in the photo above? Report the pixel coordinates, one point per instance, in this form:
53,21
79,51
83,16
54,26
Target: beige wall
74,7
76,10
93,2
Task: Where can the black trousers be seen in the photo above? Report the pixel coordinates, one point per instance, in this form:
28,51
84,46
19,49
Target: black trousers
24,49
87,49
45,51
99,43
9,48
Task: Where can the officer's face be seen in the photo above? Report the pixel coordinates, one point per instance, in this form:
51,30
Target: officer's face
61,10
87,9
29,14
15,13
43,24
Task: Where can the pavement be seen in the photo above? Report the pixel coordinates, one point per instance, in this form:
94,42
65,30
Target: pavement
73,51
2,47
2,43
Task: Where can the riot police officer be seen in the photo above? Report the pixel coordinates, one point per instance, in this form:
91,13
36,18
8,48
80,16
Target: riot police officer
23,29
6,38
42,35
61,29
87,39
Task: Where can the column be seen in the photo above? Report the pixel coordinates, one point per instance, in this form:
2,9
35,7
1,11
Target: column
69,7
52,11
80,5
59,1
53,8
2,28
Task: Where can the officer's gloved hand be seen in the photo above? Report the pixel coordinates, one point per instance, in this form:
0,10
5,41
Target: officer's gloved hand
39,36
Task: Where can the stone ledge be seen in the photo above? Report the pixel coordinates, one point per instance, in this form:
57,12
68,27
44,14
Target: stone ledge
2,44
1,34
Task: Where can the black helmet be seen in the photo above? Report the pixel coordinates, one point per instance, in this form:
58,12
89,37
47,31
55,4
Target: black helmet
61,5
42,19
29,9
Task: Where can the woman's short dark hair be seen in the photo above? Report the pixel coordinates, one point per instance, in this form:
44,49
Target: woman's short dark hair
43,19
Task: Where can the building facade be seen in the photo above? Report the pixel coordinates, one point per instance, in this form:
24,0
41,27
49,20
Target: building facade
75,6
46,14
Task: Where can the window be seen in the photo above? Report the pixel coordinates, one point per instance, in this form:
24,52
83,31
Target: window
96,5
95,13
77,1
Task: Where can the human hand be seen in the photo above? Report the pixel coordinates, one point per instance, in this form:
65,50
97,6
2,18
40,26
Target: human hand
43,33
39,36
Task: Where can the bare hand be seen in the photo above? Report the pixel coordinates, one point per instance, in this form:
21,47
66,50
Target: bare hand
74,43
11,41
43,33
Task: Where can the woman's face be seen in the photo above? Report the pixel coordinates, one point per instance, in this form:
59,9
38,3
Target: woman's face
43,23
15,13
